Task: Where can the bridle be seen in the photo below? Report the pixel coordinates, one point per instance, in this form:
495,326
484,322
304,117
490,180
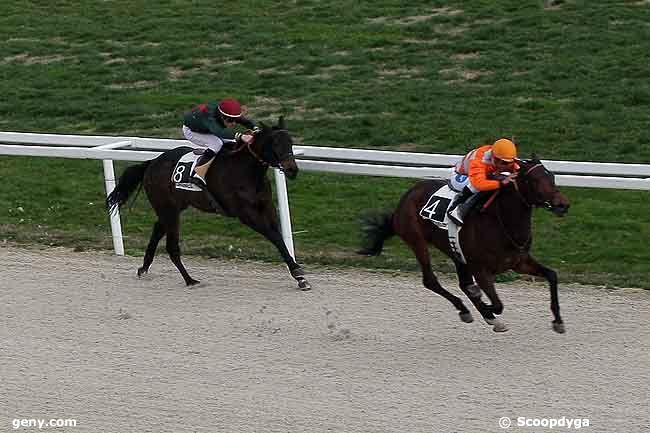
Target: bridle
276,161
248,147
522,247
521,196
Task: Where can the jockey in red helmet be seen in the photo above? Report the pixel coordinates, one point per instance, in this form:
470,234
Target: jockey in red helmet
483,167
211,124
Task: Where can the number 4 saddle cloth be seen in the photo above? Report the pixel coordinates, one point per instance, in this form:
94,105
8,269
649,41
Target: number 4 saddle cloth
435,210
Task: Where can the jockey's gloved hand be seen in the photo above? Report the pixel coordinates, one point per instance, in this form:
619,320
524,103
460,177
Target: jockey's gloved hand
508,179
496,176
245,138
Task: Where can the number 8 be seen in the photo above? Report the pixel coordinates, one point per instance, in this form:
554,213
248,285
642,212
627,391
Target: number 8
178,174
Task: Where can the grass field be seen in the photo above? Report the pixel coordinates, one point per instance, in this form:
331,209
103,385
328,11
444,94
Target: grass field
567,79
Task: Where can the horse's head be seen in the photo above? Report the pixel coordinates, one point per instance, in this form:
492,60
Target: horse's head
277,148
537,187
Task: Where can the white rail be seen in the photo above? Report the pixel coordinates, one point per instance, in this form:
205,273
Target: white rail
327,153
432,159
440,173
312,158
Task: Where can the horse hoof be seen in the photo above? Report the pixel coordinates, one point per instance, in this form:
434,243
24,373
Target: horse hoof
466,317
498,325
192,282
559,328
304,285
141,272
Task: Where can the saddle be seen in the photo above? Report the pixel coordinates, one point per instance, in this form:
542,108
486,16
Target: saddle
181,179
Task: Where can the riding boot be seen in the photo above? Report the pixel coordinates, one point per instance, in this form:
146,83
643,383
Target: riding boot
462,206
201,169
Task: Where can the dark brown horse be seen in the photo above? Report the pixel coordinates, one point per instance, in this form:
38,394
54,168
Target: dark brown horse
238,187
495,239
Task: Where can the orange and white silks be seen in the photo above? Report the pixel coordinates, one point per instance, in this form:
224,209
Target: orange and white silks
477,165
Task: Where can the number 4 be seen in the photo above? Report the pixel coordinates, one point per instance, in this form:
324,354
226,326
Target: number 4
431,209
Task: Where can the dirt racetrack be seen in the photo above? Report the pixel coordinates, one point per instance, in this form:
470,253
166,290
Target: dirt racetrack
82,338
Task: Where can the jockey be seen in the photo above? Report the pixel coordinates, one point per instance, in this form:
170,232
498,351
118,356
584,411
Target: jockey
208,126
484,167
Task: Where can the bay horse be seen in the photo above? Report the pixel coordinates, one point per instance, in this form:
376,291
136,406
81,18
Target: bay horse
494,240
237,185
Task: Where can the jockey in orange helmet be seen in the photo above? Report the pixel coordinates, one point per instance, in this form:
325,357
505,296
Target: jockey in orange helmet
211,124
483,167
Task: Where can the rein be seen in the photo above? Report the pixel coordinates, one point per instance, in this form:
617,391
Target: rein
259,159
251,151
256,156
521,247
237,149
516,185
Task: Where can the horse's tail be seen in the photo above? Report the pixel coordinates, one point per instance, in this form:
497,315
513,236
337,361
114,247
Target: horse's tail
376,228
130,179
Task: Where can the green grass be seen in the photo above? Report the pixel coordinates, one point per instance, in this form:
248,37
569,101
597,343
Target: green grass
570,82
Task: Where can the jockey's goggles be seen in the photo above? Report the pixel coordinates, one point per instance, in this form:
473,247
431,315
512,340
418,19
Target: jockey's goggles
499,161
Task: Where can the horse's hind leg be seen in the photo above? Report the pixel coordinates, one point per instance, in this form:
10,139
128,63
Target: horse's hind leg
156,235
419,247
472,290
486,280
172,224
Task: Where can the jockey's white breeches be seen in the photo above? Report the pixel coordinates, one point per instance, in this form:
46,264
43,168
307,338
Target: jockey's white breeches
210,141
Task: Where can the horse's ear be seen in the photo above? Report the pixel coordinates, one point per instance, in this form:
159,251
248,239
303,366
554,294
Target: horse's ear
281,123
534,158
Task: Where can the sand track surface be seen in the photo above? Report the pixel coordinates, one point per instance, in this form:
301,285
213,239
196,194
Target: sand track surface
81,337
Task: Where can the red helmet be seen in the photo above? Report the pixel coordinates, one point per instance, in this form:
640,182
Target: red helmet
230,108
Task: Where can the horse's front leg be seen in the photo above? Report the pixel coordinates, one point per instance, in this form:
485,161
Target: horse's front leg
265,223
485,280
530,266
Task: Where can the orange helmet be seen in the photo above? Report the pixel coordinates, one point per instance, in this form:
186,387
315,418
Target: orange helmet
504,149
